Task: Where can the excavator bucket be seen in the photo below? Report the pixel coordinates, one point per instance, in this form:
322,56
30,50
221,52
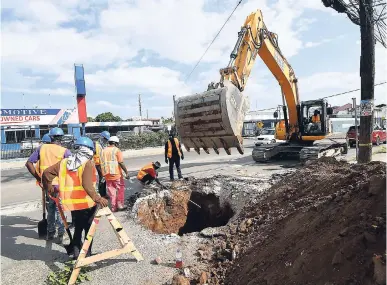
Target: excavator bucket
212,119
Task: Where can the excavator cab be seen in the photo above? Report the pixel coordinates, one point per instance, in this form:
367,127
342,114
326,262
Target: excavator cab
314,118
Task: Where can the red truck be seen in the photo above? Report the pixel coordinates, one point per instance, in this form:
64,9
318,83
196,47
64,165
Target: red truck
378,135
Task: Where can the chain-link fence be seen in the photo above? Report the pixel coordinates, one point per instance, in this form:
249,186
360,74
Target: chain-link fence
18,142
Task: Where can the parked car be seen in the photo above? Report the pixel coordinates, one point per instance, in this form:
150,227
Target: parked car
267,136
378,135
28,145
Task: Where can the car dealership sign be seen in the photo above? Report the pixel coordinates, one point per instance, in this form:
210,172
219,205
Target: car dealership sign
38,116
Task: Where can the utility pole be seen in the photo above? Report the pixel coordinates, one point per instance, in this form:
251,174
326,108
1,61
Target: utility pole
139,104
147,115
367,74
365,14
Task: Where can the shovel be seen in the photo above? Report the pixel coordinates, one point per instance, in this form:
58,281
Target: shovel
42,225
70,247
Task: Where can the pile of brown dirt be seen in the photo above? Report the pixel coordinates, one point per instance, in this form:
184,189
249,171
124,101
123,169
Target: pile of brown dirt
164,214
324,224
186,208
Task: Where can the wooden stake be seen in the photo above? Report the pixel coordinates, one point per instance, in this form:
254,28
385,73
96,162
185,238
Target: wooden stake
125,241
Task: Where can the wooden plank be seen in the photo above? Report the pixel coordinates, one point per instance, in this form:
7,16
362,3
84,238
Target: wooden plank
126,243
102,256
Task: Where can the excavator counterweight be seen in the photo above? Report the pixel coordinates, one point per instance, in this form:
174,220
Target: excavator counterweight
212,119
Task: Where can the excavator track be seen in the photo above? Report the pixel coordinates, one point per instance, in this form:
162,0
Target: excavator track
264,153
316,152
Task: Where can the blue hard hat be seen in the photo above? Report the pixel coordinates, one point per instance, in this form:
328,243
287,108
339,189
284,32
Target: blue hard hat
84,141
56,132
46,138
105,134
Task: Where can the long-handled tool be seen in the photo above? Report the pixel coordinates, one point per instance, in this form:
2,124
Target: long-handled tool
70,247
42,225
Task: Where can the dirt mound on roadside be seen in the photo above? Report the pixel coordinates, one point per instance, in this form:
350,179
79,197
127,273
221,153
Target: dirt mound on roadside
324,224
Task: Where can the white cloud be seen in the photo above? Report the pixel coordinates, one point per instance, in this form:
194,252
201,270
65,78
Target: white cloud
315,44
38,51
42,91
158,80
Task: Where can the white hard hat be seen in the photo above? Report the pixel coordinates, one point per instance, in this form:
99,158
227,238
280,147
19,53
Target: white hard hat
114,139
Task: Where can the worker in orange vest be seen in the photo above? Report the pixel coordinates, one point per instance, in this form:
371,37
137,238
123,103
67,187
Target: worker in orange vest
173,153
77,181
99,146
315,121
112,165
47,155
45,140
148,174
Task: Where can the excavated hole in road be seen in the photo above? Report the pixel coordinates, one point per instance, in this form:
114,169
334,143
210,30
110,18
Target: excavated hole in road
174,213
211,213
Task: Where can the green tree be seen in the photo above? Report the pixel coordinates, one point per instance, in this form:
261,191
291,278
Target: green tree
170,120
90,119
107,117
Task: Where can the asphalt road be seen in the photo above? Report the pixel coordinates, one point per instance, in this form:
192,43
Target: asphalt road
23,252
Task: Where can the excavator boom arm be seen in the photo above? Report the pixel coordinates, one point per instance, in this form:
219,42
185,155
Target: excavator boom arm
214,118
255,39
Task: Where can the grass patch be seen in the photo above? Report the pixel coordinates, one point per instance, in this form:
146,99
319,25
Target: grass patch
382,149
61,277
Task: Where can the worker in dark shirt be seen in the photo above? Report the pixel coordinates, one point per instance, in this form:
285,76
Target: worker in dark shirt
173,152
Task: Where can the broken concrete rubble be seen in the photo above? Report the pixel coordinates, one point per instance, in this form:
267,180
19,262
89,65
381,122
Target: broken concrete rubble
219,199
300,234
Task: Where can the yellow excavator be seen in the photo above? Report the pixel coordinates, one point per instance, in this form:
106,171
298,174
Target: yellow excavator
214,119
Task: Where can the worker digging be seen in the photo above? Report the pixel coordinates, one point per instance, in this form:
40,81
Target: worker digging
46,155
77,181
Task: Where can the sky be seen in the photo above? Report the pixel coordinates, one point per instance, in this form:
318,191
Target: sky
149,47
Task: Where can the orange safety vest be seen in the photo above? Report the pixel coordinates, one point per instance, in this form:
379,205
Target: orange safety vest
109,163
143,171
49,155
170,147
316,119
37,169
98,152
71,192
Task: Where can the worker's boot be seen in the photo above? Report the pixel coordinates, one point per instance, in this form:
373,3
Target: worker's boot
123,208
76,253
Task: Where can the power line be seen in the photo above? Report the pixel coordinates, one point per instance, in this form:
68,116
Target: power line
351,91
200,59
338,94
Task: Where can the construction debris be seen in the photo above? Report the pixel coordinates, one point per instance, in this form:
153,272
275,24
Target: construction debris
197,205
324,224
